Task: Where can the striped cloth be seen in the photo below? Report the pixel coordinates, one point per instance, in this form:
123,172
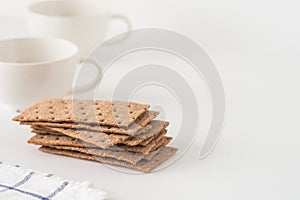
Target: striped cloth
17,183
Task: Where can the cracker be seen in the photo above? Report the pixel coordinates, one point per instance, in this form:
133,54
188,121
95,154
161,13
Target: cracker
144,165
141,141
162,143
138,127
132,142
157,127
151,155
137,141
37,128
107,113
155,144
94,137
51,140
105,141
44,132
99,139
130,157
146,142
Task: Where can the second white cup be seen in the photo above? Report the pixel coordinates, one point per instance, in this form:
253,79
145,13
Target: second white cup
84,22
32,69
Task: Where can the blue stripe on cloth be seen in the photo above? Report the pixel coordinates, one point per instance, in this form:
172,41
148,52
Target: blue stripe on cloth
49,175
61,188
25,192
21,182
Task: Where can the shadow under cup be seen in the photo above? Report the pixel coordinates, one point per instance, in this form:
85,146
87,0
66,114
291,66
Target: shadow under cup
32,69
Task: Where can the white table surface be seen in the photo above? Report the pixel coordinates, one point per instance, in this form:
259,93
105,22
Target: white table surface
257,157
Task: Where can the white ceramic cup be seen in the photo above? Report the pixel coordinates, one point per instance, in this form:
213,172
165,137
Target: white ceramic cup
84,22
32,69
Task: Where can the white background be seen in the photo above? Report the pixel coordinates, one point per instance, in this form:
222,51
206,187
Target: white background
255,45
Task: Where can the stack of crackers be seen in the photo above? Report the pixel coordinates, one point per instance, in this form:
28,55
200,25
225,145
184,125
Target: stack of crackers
111,132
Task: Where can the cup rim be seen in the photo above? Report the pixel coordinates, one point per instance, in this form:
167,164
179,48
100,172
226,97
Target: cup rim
32,11
72,54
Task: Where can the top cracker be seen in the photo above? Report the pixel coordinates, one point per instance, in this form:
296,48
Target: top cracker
108,113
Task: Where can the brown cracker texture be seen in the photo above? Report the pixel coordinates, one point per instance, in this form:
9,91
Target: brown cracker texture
157,127
144,165
99,139
49,140
138,127
45,132
130,157
146,138
155,144
107,113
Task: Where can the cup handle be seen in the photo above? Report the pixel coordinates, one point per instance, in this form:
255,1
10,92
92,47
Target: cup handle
93,83
126,20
